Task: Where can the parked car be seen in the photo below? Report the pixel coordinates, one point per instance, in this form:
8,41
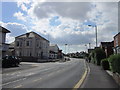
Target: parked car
8,61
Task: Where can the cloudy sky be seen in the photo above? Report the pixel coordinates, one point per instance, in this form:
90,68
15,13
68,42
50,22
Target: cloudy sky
61,22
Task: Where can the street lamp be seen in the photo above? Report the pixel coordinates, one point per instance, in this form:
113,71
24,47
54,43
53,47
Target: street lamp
89,46
65,48
86,47
95,33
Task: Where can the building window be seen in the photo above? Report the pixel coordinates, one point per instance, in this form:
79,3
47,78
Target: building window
17,43
20,44
31,43
20,54
116,41
27,43
37,43
30,54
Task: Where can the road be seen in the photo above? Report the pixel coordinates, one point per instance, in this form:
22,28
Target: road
44,75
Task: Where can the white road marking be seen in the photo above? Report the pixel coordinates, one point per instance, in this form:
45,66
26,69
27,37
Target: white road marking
37,79
30,74
13,82
18,86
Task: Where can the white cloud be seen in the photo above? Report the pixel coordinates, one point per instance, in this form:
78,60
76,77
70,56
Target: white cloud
20,16
24,8
72,15
9,38
15,29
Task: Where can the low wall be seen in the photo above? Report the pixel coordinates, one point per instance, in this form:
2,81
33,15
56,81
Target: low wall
116,76
29,59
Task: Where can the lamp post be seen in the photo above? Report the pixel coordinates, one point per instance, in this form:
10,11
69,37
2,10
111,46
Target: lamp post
95,32
89,46
86,47
65,48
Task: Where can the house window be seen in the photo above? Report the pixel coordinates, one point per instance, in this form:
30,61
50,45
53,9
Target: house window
20,44
116,41
20,54
17,43
27,43
30,43
30,54
37,43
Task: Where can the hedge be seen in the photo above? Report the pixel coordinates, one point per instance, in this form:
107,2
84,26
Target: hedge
99,55
115,63
105,64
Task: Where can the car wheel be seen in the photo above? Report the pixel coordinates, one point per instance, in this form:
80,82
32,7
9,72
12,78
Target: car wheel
16,64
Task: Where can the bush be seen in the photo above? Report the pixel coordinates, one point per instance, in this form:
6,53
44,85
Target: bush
115,63
99,55
92,55
105,64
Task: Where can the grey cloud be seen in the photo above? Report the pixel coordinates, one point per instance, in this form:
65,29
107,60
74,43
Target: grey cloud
16,29
74,39
74,10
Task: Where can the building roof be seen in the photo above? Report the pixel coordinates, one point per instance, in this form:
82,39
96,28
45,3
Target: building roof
4,30
33,33
116,34
106,43
54,45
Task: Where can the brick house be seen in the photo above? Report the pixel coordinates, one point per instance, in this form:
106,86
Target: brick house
107,47
117,43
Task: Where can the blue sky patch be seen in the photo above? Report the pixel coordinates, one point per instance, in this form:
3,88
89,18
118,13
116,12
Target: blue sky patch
88,22
8,10
54,21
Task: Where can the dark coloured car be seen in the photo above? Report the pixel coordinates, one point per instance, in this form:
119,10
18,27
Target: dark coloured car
9,61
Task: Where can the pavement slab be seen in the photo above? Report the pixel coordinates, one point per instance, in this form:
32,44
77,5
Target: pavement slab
98,78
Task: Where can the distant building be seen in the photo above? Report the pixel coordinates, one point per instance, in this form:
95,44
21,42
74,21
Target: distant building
77,54
53,51
117,43
3,46
90,50
60,54
107,47
31,46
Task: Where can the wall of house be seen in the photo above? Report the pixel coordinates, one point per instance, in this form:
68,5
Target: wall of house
117,40
117,43
54,48
3,37
0,37
3,46
38,47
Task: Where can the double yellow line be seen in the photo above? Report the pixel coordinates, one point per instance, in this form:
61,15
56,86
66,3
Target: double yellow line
78,85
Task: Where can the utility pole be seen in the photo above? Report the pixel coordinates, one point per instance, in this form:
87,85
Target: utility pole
65,48
95,32
89,45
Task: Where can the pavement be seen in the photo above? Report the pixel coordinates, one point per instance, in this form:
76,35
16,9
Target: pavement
98,78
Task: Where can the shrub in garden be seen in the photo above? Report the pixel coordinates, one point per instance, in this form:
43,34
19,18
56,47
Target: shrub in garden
105,64
99,55
93,56
115,63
